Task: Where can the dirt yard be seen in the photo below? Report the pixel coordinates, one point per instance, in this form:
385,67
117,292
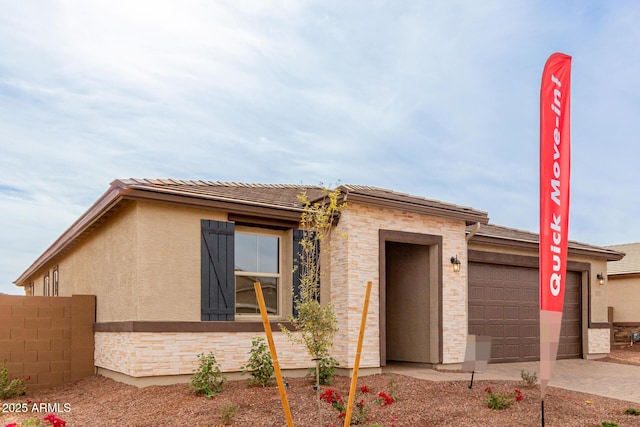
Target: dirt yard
98,401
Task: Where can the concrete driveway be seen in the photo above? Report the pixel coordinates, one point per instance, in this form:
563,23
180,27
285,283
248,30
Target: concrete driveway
588,376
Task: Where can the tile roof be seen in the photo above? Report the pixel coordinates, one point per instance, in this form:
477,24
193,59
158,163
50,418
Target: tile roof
488,232
273,200
271,195
403,201
284,196
630,264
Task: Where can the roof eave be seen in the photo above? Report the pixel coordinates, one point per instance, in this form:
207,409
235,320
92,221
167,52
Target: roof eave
534,245
104,204
469,216
121,190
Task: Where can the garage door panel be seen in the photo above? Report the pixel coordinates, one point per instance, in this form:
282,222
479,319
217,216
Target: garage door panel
529,313
512,332
476,292
527,294
476,313
494,312
530,351
503,303
497,350
495,293
475,329
530,331
511,312
511,294
512,350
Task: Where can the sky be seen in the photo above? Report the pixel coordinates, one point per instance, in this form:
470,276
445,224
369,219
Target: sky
438,99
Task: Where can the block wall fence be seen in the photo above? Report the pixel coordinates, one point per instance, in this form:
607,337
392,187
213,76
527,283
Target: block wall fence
49,339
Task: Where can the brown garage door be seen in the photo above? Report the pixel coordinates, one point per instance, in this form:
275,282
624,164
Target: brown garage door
503,303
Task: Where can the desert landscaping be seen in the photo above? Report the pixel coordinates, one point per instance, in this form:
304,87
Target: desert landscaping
98,401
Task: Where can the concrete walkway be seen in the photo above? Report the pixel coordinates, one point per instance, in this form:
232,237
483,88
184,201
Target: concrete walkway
588,376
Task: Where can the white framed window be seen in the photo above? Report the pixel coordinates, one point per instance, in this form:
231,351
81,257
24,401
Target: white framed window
55,281
257,255
45,290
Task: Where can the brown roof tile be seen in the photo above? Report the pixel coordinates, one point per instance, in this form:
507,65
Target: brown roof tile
283,196
393,199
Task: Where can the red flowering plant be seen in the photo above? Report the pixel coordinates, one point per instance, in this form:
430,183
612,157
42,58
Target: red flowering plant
360,407
384,399
55,421
51,419
502,400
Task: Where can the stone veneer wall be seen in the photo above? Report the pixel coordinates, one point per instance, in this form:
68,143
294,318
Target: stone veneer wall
599,341
145,354
355,260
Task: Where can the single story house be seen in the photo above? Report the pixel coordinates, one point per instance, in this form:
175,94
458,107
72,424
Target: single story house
171,262
624,291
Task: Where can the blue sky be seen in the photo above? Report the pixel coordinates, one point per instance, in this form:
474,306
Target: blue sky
437,99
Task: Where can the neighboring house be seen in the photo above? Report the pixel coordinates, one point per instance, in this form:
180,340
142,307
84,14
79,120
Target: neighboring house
624,290
172,262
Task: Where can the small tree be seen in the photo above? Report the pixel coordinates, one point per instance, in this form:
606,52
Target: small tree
315,324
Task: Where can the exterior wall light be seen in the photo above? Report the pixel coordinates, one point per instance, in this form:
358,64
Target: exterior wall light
455,262
600,279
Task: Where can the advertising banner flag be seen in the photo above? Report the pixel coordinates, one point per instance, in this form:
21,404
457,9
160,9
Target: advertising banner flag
555,165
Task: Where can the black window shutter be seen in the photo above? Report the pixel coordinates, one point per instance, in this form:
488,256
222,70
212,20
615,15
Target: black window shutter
217,270
297,250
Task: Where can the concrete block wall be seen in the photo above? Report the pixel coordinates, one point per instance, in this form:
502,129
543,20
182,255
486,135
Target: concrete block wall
49,339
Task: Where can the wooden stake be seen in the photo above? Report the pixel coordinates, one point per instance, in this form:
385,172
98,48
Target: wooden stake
274,356
356,363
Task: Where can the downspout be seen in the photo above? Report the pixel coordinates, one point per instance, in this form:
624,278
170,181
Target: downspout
475,229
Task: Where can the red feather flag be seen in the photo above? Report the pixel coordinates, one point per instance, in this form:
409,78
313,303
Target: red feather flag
555,167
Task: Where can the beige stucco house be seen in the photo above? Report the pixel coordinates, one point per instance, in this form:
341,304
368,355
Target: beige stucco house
623,281
171,262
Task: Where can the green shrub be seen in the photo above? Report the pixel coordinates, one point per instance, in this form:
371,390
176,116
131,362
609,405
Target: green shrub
501,400
498,400
393,388
207,380
260,364
327,370
529,378
609,424
10,388
631,411
228,411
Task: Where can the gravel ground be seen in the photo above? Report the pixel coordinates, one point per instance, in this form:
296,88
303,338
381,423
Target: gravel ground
99,401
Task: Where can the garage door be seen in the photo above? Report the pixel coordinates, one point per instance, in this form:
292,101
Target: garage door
503,303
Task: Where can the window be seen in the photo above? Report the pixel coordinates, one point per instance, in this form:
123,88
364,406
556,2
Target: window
257,258
233,258
46,285
55,281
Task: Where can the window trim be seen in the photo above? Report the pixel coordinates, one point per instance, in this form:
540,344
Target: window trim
281,235
56,277
45,287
